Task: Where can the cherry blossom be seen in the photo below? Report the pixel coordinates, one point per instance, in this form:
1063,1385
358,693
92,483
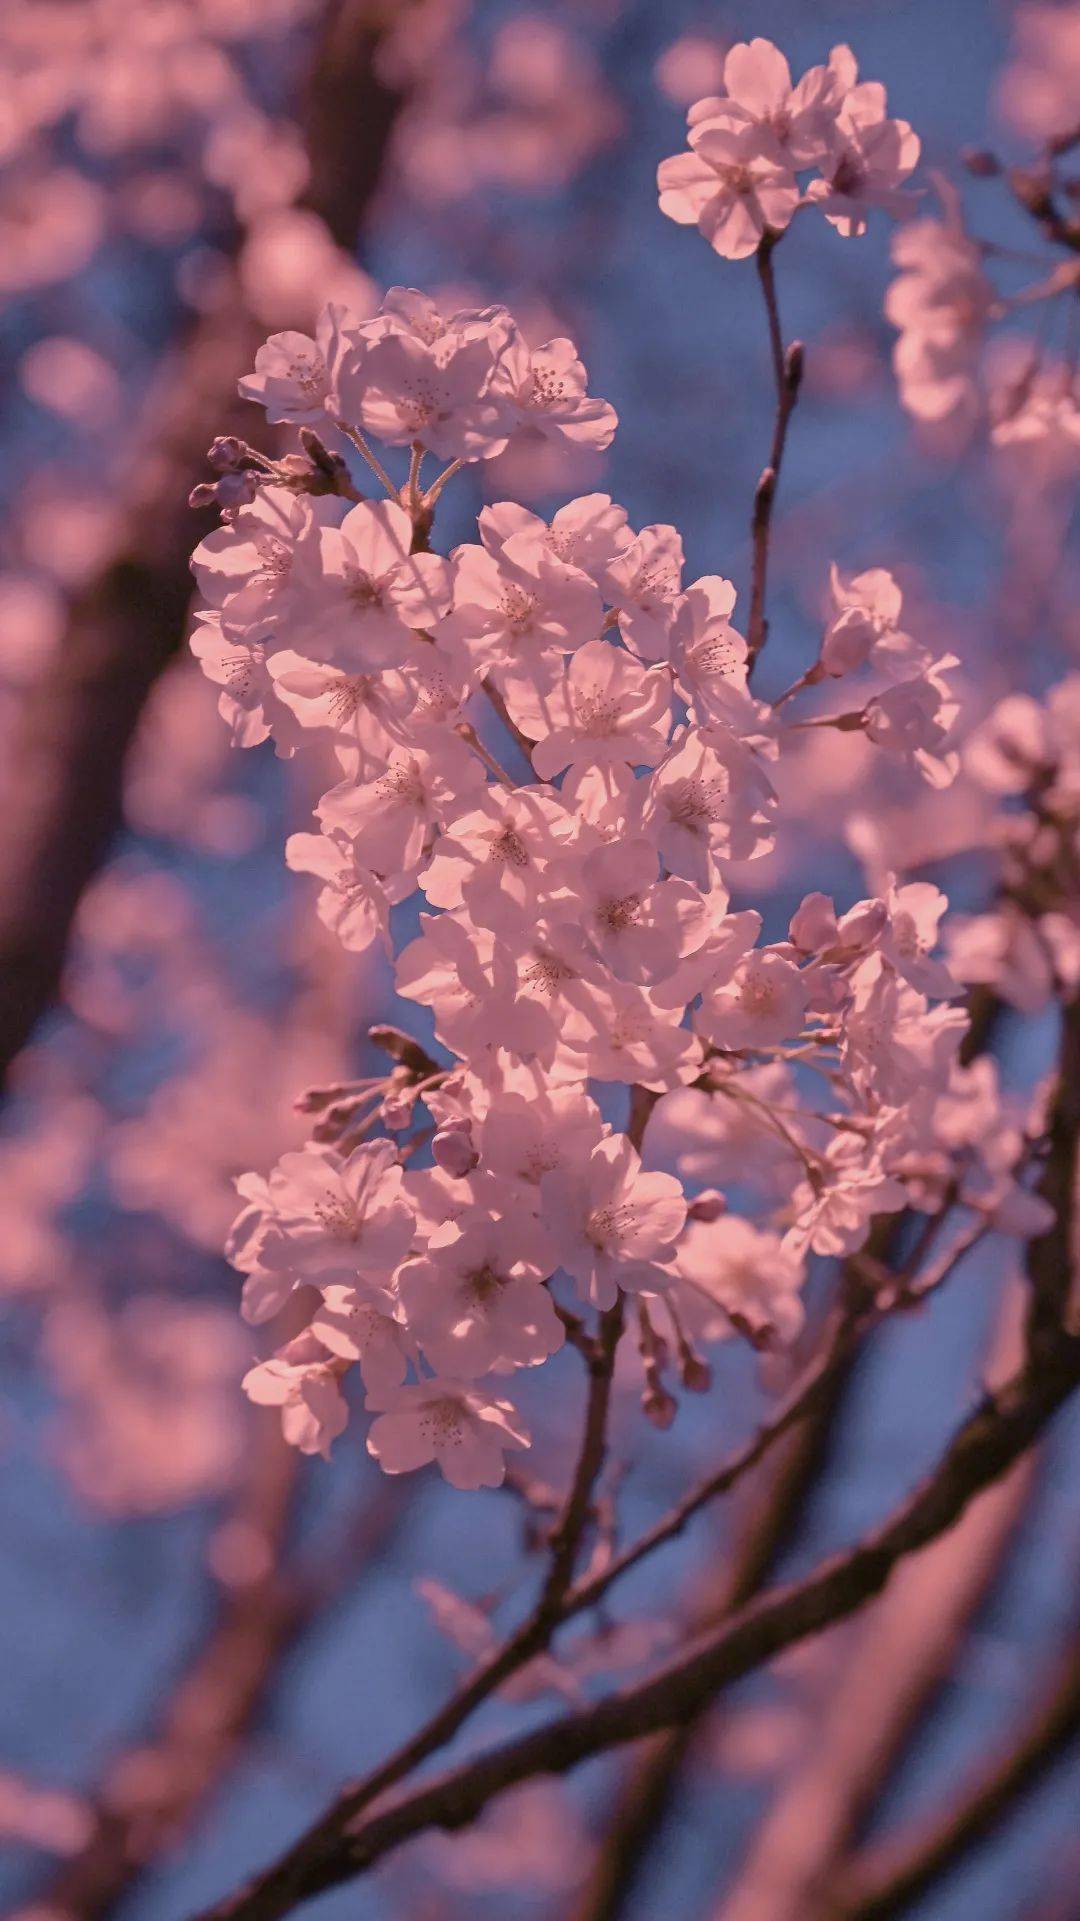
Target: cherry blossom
643,582
728,185
304,1384
913,719
796,123
873,156
494,857
751,1276
555,747
474,1299
348,1326
606,707
763,1003
294,374
610,1223
388,818
521,609
589,533
708,800
412,375
464,1430
364,592
940,303
544,388
351,902
338,1219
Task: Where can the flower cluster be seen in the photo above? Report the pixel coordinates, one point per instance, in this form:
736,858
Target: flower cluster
580,957
748,145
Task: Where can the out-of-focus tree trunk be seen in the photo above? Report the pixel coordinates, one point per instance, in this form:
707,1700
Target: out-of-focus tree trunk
905,1647
772,1506
62,787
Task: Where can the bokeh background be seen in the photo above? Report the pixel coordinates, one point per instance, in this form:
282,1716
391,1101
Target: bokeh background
179,178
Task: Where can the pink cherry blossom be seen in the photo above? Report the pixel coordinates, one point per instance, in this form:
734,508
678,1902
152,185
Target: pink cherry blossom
797,124
474,1300
589,533
606,708
763,1004
941,304
342,1220
365,593
352,903
249,702
729,185
913,719
873,156
521,609
494,856
709,800
643,582
304,1384
361,712
610,1222
867,607
642,927
428,381
466,1431
708,656
544,388
294,375
832,1214
245,571
390,818
749,1274
523,1137
350,1327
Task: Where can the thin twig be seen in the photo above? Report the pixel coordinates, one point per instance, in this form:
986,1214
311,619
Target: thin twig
367,452
997,1433
889,1874
522,1646
787,372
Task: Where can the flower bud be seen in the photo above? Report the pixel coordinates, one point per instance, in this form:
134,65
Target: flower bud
235,490
397,1111
708,1205
453,1149
813,924
225,453
659,1407
697,1375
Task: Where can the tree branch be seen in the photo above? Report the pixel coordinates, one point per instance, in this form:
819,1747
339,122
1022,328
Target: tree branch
151,1792
63,784
888,1875
903,1649
996,1434
773,1503
788,372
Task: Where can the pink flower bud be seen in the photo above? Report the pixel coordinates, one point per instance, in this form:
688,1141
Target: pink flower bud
659,1407
708,1205
847,642
813,925
453,1150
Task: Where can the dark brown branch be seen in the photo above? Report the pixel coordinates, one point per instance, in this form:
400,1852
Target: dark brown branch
1035,193
894,1664
63,781
996,1434
788,372
529,1640
888,1875
151,1793
772,1506
569,1532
